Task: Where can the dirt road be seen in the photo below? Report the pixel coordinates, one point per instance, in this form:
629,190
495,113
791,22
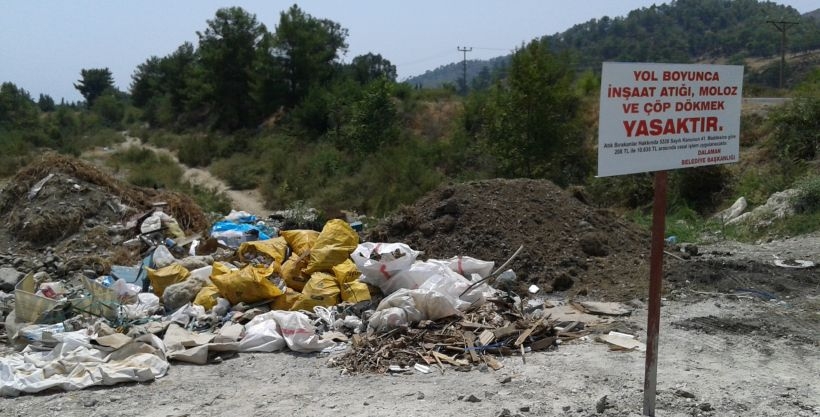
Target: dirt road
247,200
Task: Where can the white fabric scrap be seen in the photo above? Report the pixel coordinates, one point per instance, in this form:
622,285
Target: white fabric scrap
76,364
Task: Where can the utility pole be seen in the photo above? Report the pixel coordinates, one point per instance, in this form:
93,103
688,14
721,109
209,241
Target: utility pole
464,65
782,26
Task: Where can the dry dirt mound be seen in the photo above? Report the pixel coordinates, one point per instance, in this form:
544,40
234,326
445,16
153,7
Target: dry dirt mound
59,198
568,245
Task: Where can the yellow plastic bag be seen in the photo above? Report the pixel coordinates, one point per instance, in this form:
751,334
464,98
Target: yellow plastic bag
247,285
346,272
272,250
163,277
221,268
300,241
333,246
286,300
320,290
354,292
291,272
207,297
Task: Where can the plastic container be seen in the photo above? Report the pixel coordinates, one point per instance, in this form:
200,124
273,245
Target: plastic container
28,305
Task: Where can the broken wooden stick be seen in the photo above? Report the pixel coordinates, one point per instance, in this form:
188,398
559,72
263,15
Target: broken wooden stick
495,273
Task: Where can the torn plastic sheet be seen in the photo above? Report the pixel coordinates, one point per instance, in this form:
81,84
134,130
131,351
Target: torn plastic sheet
75,363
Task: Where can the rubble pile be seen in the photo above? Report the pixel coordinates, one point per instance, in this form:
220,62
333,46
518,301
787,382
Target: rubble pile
61,214
568,245
85,316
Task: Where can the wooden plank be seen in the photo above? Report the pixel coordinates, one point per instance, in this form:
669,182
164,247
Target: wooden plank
486,337
523,336
568,328
505,331
449,359
543,344
492,362
472,325
469,339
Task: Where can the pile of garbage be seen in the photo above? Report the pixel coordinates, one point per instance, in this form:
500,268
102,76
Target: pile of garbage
62,214
246,287
153,285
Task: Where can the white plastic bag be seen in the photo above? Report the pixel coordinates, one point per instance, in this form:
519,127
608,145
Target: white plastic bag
382,262
444,280
151,224
147,304
298,331
414,305
410,278
262,334
163,257
435,305
240,216
126,293
203,274
466,266
388,319
404,300
187,313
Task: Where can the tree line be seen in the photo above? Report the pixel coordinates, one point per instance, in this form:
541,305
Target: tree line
240,73
280,110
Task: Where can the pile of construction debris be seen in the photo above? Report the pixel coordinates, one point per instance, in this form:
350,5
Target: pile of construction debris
178,292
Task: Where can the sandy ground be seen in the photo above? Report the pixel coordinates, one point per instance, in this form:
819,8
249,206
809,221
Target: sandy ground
712,369
736,375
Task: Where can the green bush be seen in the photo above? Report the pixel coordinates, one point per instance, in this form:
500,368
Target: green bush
682,222
146,168
240,171
196,151
758,183
629,191
808,199
701,188
209,199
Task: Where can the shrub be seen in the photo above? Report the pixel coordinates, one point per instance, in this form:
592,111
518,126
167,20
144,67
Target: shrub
196,151
808,198
240,171
698,188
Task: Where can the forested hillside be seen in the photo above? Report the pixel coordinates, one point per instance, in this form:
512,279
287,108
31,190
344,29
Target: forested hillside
278,111
479,72
682,31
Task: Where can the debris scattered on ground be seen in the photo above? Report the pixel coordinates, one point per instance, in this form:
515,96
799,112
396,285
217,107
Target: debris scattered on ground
142,289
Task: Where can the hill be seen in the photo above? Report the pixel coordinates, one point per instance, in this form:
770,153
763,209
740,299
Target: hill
477,69
682,31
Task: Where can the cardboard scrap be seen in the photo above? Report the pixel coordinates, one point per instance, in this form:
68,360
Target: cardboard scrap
605,309
623,341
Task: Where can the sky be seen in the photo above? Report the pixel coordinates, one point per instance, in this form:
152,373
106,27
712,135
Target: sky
45,43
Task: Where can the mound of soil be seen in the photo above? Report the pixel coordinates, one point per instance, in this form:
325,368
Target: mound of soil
62,205
568,245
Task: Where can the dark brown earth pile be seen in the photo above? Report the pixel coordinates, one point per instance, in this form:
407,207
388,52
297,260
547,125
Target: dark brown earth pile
568,245
65,207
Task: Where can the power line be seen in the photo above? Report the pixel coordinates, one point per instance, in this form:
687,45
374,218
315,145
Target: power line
464,64
493,49
782,26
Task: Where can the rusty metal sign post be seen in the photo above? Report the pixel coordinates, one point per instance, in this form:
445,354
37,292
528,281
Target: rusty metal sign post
655,285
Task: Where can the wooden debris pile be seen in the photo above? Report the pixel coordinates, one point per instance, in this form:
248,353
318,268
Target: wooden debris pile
480,337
